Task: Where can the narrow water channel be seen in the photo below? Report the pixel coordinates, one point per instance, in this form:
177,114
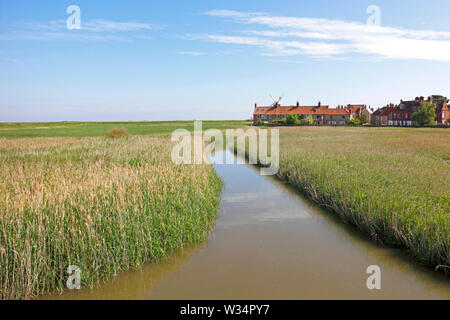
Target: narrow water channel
269,242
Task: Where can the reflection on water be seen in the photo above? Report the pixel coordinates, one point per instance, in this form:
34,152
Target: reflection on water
271,243
132,284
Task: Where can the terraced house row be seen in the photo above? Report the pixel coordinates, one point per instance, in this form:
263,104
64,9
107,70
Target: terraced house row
390,115
321,114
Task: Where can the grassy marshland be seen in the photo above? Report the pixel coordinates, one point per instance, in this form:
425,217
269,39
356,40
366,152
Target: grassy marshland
392,183
102,204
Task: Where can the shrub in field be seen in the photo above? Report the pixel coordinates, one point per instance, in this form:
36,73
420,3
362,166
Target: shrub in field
117,133
102,205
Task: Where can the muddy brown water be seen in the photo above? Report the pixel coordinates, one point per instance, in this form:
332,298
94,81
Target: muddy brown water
269,242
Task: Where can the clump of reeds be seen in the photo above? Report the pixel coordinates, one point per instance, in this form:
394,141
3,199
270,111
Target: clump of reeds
117,133
102,205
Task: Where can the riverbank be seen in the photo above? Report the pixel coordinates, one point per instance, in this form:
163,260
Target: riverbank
101,204
391,183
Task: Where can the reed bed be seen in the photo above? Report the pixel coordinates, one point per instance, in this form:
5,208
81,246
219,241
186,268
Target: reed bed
391,183
102,204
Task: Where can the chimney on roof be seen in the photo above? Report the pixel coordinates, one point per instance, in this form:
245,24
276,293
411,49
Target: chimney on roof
298,104
430,99
255,105
422,98
319,104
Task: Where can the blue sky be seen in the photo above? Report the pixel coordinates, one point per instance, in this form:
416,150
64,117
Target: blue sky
182,60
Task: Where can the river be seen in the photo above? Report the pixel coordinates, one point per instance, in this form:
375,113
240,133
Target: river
269,242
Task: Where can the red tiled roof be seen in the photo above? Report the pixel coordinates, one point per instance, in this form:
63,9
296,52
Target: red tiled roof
386,111
261,110
322,110
356,106
325,110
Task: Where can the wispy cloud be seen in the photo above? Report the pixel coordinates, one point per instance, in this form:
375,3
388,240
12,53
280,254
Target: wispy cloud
92,30
278,48
324,38
112,26
95,25
191,53
3,57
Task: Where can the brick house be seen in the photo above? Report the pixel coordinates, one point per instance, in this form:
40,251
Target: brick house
358,109
442,112
401,115
380,117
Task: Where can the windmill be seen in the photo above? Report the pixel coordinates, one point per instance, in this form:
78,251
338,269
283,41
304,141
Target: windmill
276,102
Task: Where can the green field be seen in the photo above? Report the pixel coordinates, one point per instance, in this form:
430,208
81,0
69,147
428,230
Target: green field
91,129
391,183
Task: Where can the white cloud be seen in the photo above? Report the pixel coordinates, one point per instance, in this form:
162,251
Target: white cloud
231,13
191,53
278,48
95,25
319,37
112,26
61,36
91,30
